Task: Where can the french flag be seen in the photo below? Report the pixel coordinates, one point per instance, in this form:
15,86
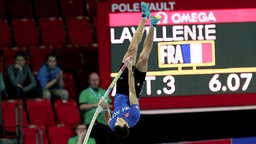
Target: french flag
197,53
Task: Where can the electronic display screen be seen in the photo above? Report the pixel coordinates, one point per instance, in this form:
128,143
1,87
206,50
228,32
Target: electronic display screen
200,58
194,52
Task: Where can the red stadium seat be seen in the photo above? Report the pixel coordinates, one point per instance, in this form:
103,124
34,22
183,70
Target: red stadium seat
5,35
40,112
70,85
37,57
72,8
2,9
60,134
10,110
9,55
2,67
67,112
82,76
20,8
91,6
79,30
53,33
95,24
25,32
46,8
35,134
91,57
70,59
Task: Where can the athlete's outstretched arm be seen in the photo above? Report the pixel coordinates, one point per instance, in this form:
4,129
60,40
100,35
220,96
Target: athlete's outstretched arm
132,92
104,105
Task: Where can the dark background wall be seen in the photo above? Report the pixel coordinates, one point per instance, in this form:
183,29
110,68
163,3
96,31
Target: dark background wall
163,128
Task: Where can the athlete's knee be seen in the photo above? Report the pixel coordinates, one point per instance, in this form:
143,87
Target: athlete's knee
132,48
143,58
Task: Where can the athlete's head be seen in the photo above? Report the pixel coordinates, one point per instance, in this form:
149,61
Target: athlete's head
94,80
121,129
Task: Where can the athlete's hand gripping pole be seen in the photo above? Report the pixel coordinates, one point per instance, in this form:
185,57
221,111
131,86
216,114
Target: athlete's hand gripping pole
105,98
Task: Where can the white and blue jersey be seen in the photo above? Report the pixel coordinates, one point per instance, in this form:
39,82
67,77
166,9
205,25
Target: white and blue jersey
123,109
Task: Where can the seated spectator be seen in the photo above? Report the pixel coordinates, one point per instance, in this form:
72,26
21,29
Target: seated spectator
88,103
4,95
22,82
50,77
81,130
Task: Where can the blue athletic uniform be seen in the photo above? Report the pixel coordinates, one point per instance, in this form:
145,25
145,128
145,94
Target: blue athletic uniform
122,107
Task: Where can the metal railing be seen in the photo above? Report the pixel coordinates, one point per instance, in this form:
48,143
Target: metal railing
39,133
19,123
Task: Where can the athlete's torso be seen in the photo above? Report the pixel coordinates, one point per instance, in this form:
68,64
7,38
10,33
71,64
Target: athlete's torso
123,109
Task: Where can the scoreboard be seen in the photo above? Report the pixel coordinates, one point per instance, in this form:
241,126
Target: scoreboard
194,53
200,58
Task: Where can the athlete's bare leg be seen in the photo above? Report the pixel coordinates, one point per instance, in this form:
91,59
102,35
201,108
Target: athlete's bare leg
142,64
136,39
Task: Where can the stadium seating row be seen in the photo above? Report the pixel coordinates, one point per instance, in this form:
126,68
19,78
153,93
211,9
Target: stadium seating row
69,59
39,115
58,134
76,64
46,8
51,31
38,27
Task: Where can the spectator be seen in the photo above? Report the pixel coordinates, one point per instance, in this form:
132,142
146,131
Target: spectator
22,82
50,77
4,95
88,100
81,130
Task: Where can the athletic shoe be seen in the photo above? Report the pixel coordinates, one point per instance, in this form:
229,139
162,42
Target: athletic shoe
154,20
145,10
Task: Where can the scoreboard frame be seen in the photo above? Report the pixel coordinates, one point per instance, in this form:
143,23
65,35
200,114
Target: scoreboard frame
179,102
